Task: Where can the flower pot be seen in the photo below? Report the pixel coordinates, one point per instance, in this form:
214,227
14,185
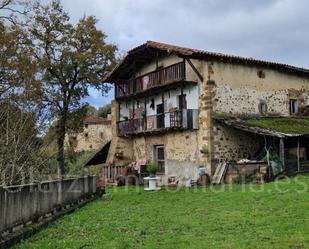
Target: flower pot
152,183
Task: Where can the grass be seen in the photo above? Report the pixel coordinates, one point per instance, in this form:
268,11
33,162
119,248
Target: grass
274,215
285,125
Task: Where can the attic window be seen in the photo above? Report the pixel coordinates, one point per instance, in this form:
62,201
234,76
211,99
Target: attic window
263,107
261,74
293,106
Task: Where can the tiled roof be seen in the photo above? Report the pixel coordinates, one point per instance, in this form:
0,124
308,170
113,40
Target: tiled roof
202,54
96,120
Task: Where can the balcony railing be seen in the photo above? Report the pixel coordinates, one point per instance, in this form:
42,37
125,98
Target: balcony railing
185,119
164,76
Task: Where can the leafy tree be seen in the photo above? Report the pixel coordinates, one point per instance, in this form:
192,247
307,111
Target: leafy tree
91,110
17,65
22,117
105,110
71,59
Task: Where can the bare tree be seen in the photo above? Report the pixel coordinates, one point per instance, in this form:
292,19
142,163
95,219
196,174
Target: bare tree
22,156
14,11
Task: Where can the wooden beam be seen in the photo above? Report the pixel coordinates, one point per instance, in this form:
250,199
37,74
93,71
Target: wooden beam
133,112
195,69
118,107
181,105
184,68
163,110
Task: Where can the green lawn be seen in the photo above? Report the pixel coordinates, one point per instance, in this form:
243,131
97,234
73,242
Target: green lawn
252,216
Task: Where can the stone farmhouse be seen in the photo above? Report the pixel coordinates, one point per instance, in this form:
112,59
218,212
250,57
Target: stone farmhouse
96,132
188,108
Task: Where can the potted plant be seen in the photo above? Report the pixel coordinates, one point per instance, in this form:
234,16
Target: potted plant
152,168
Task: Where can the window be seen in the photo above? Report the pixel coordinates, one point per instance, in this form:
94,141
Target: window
159,156
101,135
263,107
86,135
293,106
86,126
261,74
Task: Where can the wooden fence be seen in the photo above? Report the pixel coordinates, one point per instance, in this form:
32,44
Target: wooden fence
111,172
22,204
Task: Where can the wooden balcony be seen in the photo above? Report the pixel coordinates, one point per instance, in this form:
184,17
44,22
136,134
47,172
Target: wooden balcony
176,120
161,77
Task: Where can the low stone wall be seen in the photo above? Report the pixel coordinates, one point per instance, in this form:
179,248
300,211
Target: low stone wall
242,170
24,204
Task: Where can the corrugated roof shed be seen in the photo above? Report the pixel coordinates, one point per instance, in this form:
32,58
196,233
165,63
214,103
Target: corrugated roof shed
269,126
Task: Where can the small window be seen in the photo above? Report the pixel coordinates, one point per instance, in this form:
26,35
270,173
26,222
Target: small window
159,156
261,74
86,135
293,106
263,107
86,126
90,146
101,135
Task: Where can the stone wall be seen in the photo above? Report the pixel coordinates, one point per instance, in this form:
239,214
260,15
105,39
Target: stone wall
239,89
181,152
121,149
94,137
232,145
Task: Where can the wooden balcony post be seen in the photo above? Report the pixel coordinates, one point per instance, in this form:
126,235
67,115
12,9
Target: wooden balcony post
145,114
184,69
181,106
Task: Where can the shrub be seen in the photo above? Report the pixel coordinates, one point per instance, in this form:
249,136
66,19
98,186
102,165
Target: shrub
152,167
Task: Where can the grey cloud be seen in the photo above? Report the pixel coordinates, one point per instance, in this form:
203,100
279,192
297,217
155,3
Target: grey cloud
274,30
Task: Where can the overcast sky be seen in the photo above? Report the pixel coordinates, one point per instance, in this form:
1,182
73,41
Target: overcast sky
275,30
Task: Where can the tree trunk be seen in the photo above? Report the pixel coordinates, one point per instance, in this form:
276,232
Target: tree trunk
60,143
